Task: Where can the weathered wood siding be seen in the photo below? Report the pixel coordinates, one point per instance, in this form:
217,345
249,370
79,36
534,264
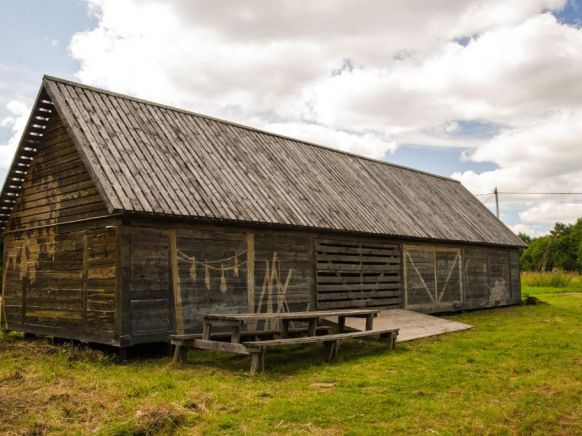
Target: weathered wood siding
438,278
352,273
179,274
61,281
57,187
60,270
149,283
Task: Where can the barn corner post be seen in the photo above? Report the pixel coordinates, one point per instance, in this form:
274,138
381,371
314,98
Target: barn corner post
123,312
84,279
3,325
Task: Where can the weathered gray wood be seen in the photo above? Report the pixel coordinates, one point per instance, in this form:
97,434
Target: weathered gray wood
251,176
219,346
315,339
257,360
324,329
333,348
289,315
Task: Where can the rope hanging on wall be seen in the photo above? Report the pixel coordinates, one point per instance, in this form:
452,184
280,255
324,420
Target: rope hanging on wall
232,263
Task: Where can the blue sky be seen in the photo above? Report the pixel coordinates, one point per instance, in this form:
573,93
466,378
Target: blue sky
423,103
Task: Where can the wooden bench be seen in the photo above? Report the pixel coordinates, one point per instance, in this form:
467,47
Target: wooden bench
181,342
257,349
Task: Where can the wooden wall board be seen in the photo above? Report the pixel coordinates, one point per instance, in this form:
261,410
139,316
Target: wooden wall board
56,278
352,273
57,187
477,277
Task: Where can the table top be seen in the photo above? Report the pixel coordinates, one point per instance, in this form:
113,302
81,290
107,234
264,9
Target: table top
313,314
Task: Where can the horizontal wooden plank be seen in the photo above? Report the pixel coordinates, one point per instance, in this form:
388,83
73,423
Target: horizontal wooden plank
357,295
350,267
359,303
322,338
332,258
357,287
393,277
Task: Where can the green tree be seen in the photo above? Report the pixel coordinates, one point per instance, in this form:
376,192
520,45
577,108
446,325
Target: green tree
524,237
531,258
562,249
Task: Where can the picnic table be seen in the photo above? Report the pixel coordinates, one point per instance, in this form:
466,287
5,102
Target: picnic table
235,321
234,324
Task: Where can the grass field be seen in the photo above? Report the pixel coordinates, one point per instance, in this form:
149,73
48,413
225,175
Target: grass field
519,371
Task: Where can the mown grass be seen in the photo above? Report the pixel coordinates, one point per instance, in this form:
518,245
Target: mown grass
519,371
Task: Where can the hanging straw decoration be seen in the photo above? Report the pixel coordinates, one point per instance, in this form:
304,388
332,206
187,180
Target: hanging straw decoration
207,276
193,269
223,287
235,266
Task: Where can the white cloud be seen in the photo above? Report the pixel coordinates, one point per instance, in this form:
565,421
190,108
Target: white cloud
541,156
364,76
15,123
552,211
278,58
529,229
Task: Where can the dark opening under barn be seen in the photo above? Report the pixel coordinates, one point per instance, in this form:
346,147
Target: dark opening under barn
125,221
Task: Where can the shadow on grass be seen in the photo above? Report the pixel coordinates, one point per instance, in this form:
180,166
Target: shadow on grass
287,360
282,361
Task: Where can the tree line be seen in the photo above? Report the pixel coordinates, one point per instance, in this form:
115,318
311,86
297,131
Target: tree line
560,249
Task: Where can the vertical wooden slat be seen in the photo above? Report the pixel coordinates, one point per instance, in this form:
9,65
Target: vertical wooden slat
4,271
84,279
123,311
251,276
436,280
179,310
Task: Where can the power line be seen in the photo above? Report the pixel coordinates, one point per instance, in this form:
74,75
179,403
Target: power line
531,193
540,193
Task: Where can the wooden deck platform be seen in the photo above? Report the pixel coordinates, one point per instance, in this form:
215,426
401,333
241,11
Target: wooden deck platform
412,325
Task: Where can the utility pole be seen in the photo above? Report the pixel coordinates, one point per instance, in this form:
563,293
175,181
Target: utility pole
496,193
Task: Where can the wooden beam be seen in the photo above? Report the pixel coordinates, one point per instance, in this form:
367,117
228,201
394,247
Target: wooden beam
84,278
179,310
219,346
252,325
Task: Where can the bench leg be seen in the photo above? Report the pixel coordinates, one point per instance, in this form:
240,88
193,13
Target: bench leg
392,340
235,336
341,324
284,328
312,327
370,322
179,353
331,349
206,329
258,360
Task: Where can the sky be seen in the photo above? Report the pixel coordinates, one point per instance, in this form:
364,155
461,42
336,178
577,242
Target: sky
486,92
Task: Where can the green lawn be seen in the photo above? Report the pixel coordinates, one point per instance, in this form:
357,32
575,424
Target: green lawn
519,371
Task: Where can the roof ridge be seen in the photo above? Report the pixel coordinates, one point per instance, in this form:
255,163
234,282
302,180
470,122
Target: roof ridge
232,123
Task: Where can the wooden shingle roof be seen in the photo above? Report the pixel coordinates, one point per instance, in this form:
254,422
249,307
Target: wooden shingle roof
147,158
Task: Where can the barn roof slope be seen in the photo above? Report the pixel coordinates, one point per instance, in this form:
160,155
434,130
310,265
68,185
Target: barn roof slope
147,158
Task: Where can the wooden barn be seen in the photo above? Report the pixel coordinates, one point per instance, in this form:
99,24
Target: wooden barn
124,221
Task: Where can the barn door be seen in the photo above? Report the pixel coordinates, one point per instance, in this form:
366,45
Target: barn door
432,277
354,274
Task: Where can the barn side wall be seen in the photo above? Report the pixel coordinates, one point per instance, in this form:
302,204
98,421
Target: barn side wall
179,272
442,278
60,256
